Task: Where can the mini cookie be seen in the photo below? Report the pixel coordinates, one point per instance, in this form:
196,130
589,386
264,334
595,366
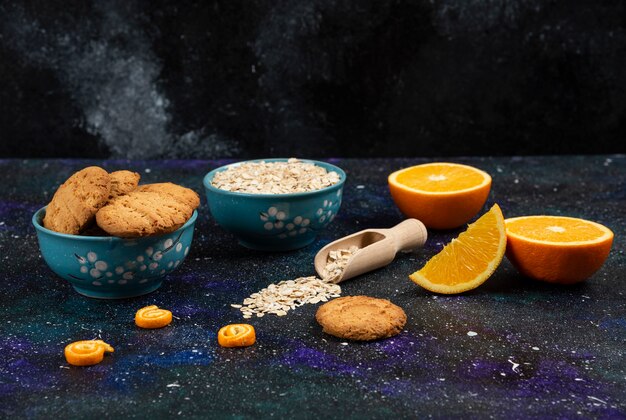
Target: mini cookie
361,318
76,202
142,213
179,193
123,182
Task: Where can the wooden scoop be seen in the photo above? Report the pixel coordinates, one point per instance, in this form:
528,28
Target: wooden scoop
377,247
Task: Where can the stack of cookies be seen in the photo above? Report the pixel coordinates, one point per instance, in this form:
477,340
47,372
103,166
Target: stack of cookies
95,202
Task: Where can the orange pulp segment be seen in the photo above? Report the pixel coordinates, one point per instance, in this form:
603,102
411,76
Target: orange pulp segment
557,229
442,177
468,260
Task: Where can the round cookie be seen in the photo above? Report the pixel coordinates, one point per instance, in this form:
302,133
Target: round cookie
142,213
361,318
76,202
179,193
123,182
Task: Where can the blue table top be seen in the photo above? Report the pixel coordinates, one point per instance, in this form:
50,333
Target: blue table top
539,349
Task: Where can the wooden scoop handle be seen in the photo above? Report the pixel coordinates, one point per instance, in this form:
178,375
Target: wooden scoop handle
408,235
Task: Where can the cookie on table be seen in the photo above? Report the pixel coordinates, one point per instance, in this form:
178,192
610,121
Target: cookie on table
143,213
123,182
361,318
75,203
179,193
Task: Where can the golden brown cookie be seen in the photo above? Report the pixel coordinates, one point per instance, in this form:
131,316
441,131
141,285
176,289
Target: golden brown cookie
179,193
143,213
76,202
123,182
361,318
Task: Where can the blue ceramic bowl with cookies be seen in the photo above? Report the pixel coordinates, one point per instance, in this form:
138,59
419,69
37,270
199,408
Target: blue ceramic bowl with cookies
110,267
279,221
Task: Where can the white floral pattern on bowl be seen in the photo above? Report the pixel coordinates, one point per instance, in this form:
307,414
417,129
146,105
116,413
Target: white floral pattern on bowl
151,263
278,222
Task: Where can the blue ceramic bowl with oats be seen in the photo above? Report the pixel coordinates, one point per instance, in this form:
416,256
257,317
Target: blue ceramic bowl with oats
275,221
109,267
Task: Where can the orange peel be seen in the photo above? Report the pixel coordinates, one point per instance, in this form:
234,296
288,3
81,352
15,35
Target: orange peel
153,317
236,335
86,352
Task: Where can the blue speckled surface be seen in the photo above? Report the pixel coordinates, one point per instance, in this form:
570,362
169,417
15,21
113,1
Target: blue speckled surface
539,350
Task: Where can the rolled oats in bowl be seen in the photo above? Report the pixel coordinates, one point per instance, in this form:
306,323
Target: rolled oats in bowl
280,177
275,204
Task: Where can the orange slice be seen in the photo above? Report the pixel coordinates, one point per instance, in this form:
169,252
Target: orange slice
441,195
469,260
557,249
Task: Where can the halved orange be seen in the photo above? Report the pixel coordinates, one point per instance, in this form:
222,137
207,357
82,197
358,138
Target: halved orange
442,195
469,260
557,249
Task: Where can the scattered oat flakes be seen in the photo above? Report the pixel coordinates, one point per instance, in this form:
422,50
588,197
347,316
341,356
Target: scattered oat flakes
274,177
336,262
280,298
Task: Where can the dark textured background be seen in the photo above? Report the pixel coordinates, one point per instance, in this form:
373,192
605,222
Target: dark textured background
511,349
311,78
